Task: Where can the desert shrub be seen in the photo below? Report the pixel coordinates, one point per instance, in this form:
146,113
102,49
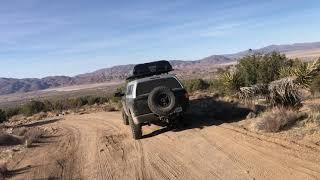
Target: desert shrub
3,116
314,117
48,105
276,119
12,112
33,136
196,85
285,91
259,68
254,69
103,100
315,85
59,105
116,102
96,100
33,107
121,88
230,82
74,103
93,100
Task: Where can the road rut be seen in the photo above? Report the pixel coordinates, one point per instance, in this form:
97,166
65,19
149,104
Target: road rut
99,146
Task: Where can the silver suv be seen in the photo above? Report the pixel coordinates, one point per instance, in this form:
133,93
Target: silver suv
155,97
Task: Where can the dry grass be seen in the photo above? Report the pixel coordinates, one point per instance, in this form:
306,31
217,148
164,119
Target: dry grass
33,136
276,119
19,131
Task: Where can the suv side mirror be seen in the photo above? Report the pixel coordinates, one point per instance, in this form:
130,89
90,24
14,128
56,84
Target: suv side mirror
118,94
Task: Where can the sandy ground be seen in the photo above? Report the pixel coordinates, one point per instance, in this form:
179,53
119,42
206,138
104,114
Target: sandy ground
99,146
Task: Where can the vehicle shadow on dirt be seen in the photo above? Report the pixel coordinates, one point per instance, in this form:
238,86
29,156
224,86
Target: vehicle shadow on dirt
206,112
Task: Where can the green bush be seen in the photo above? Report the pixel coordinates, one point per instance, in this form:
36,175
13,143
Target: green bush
3,116
33,107
93,100
49,106
196,85
12,112
59,105
255,69
96,100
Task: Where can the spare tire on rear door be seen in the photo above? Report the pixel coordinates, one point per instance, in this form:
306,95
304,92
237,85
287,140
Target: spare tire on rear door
161,101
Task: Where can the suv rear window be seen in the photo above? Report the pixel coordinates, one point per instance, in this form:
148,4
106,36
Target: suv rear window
148,86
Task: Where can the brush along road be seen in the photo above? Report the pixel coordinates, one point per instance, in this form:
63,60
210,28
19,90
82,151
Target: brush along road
98,146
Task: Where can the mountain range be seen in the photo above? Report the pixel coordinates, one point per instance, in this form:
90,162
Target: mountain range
12,85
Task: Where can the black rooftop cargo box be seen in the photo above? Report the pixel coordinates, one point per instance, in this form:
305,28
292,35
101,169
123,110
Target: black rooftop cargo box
150,69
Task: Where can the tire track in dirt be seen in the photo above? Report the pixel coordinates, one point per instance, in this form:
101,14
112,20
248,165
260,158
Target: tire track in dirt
99,146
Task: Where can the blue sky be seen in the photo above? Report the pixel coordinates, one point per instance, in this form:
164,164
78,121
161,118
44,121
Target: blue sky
44,37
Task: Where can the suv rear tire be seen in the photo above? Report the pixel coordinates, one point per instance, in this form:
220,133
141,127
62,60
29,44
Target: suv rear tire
135,128
125,118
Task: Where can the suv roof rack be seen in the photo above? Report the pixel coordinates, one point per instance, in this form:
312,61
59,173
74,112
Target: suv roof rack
150,69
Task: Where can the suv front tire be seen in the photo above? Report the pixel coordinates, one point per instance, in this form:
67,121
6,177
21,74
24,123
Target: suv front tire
125,118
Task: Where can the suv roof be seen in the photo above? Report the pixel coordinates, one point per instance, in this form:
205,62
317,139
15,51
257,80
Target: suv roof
150,69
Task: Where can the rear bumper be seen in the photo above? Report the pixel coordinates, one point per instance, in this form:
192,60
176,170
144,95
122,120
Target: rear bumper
151,117
145,118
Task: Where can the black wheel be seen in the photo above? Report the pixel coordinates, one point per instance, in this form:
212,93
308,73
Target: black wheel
135,128
161,101
124,118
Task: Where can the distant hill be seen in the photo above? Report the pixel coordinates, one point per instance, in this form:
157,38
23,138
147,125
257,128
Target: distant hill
182,67
287,49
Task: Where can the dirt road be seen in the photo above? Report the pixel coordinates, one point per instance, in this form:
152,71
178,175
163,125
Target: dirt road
98,146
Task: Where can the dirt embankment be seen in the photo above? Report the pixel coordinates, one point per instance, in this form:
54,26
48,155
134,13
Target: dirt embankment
99,146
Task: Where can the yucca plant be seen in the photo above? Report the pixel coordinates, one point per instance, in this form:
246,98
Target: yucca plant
230,81
285,91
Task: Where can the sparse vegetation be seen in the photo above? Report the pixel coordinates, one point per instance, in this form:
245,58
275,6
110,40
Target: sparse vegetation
3,116
276,119
32,136
193,85
34,107
315,85
272,76
254,70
